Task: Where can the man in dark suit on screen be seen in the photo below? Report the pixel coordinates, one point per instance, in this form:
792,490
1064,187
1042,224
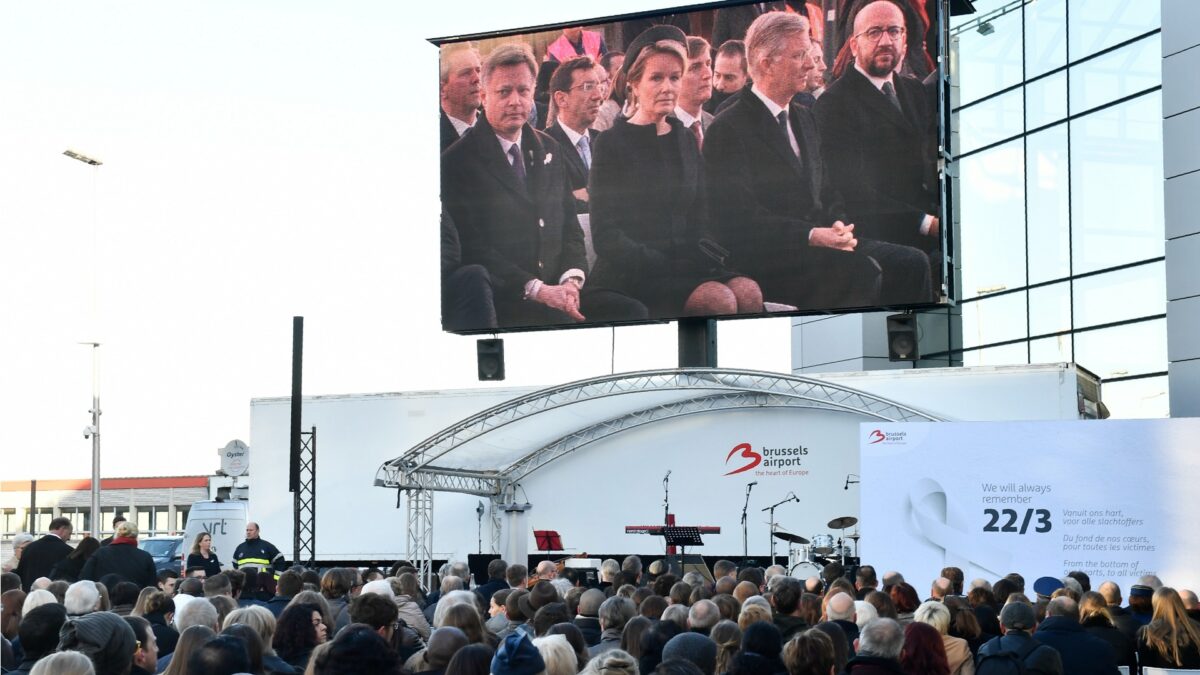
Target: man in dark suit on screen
505,187
575,88
874,126
770,194
459,91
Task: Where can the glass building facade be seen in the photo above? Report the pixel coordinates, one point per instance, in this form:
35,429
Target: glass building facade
1058,119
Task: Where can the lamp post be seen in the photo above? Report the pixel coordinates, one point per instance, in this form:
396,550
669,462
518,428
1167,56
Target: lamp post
93,431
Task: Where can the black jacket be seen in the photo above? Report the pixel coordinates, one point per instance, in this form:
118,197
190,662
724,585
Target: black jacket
590,627
871,665
577,171
1081,652
880,159
39,557
164,634
1124,648
125,560
648,213
764,201
489,589
517,232
68,569
1042,660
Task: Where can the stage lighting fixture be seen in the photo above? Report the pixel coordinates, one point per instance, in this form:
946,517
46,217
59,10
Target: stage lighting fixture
986,28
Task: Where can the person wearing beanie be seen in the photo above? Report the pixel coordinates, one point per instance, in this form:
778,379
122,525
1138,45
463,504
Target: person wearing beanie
694,647
517,656
103,637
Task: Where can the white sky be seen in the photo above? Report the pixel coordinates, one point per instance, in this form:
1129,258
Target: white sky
261,160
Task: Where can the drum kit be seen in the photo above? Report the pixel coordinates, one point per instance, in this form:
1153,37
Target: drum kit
809,556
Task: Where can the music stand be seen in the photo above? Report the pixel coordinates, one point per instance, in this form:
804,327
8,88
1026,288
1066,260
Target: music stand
682,537
548,540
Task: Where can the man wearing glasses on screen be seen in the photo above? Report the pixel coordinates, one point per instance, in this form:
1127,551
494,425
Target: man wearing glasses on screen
874,125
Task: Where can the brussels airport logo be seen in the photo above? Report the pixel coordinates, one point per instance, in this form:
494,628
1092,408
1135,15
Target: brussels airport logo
744,457
745,452
886,437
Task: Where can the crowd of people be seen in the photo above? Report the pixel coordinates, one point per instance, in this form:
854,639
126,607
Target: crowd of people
709,178
631,619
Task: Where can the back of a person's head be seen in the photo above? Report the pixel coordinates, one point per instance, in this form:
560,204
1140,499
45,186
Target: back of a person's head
356,650
703,615
558,655
64,663
809,653
196,612
190,586
548,615
253,641
611,662
103,637
496,569
124,593
374,610
222,655
1063,606
882,638
39,629
616,611
81,598
217,584
677,667
289,584
693,647
471,660
935,614
590,601
1018,616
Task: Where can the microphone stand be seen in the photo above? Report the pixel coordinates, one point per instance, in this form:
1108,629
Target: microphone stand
666,505
771,517
745,537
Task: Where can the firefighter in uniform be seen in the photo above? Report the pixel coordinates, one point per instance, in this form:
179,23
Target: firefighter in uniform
256,553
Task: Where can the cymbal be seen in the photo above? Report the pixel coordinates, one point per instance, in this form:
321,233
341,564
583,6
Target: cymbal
856,536
788,536
842,523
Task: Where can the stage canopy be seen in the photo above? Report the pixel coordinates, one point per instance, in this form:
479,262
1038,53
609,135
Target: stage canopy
488,452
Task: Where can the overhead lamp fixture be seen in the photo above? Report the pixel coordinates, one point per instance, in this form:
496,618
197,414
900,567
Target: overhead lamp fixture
517,508
75,154
986,28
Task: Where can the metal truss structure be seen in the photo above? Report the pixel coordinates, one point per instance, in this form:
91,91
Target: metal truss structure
304,502
431,466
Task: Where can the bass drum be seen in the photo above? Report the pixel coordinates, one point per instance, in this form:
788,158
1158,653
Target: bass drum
804,570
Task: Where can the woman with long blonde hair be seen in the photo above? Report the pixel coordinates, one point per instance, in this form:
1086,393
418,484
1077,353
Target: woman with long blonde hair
1171,639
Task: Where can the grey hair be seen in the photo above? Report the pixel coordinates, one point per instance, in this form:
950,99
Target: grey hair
558,654
452,582
676,613
449,600
609,569
612,662
198,612
64,663
766,37
704,615
882,638
616,611
1063,605
512,54
81,598
864,613
935,614
461,570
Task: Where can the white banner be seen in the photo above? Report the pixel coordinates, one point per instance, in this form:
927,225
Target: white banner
1112,498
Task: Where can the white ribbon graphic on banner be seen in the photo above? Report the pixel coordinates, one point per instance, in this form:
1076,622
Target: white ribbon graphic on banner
947,528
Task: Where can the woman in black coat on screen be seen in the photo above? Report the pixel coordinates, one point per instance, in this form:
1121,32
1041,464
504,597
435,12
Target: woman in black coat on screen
646,187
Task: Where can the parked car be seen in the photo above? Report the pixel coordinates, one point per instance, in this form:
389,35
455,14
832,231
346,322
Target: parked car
166,551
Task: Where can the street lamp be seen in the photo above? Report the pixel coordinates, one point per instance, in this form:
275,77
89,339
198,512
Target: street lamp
93,431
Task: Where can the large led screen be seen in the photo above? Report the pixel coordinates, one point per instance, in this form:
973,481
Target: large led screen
745,160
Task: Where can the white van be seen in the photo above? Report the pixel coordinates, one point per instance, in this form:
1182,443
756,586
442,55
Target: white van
224,520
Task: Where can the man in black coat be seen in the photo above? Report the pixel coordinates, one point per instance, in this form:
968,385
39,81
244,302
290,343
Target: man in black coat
1017,622
874,127
505,186
123,558
1081,652
40,556
577,95
770,196
495,582
458,92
